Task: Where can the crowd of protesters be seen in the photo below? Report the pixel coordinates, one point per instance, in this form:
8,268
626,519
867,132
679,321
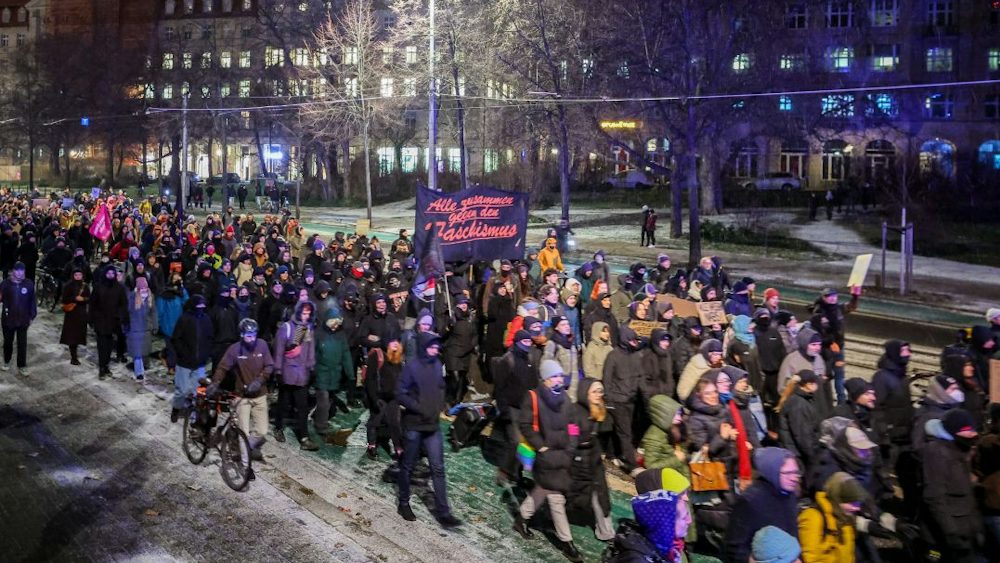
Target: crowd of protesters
744,438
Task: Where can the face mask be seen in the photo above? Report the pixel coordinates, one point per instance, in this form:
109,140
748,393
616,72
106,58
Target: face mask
965,444
957,395
522,347
903,360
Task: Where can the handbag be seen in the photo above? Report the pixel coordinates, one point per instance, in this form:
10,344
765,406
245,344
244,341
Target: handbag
525,453
708,475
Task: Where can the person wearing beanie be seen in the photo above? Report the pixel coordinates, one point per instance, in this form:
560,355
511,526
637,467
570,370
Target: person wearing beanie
709,356
829,319
658,365
944,394
772,500
774,545
807,356
953,515
772,301
421,394
20,307
402,247
514,374
799,420
562,348
826,528
544,423
859,408
960,367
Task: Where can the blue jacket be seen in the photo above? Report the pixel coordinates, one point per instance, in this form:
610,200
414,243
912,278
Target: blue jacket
420,390
19,307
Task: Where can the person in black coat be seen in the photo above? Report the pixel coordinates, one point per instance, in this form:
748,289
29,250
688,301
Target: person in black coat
192,341
893,404
600,311
420,393
588,483
960,367
544,422
943,395
770,353
108,312
27,253
76,292
499,313
799,422
460,338
772,500
658,366
225,322
953,517
384,369
514,374
17,294
623,371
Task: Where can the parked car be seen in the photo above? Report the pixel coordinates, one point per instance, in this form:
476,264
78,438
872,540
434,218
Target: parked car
774,181
632,179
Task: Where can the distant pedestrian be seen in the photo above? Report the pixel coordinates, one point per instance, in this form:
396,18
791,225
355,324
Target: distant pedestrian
17,294
642,226
651,228
829,197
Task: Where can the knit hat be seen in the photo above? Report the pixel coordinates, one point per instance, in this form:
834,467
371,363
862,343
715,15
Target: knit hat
258,271
521,335
783,318
19,266
425,318
945,381
828,291
282,269
558,319
858,439
807,376
667,479
958,420
771,292
774,545
992,313
857,387
550,369
842,488
739,287
662,258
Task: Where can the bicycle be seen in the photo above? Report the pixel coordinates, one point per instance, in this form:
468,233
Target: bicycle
200,433
46,289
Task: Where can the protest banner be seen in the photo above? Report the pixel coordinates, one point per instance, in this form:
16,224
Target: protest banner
711,313
477,223
682,307
860,270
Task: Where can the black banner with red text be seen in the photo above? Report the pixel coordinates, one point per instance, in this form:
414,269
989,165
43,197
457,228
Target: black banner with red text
479,223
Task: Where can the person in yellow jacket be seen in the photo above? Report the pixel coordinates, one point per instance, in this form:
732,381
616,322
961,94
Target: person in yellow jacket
549,256
826,529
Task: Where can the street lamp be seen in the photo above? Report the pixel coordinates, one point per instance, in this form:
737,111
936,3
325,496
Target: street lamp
432,112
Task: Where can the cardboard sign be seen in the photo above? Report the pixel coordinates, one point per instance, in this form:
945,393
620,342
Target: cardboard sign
398,301
682,307
362,227
645,328
40,202
711,313
860,270
995,381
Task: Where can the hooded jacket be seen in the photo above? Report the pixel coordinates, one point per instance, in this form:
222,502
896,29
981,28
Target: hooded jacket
596,352
659,367
762,504
947,490
192,337
659,452
893,405
514,374
623,370
549,257
420,390
333,351
295,349
799,426
587,472
935,404
800,360
552,466
696,367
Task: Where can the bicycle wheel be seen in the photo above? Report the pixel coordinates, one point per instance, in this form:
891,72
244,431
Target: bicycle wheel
235,452
193,441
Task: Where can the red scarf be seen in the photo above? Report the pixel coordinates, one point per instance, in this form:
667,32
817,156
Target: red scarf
746,472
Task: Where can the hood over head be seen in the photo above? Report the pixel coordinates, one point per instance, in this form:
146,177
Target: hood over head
768,462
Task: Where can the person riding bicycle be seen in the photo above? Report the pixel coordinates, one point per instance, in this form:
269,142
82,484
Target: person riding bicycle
251,362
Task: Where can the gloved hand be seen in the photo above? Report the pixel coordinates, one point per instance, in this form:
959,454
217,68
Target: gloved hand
877,530
907,532
212,390
254,387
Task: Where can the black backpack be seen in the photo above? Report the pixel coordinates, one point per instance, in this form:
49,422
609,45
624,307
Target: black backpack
630,546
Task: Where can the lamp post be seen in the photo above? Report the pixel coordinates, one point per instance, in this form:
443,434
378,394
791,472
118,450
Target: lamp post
182,191
432,111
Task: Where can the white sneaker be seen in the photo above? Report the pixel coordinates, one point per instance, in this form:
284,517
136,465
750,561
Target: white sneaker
5,366
21,373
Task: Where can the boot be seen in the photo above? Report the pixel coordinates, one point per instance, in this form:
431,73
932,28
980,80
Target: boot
74,359
568,548
521,527
279,435
175,414
448,521
307,445
406,512
372,452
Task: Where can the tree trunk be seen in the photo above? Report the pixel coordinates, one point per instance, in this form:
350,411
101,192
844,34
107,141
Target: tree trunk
464,155
175,164
564,165
347,169
31,162
694,201
211,157
69,171
145,161
677,203
260,150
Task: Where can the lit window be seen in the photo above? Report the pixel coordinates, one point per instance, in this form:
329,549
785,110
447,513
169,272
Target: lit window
940,12
386,87
244,88
838,105
623,71
491,160
206,92
244,59
989,154
411,55
168,33
4,40
839,13
409,156
303,6
992,106
149,92
206,60
784,103
185,88
186,60
792,62
273,56
939,59
884,13
226,59
885,58
277,88
455,160
839,58
168,91
410,87
350,55
300,56
224,90
168,61
835,160
386,160
993,59
797,16
351,87
939,106
588,68
882,105
387,53
741,62
247,5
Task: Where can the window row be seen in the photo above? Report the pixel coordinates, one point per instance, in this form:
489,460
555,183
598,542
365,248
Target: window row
19,39
881,58
839,14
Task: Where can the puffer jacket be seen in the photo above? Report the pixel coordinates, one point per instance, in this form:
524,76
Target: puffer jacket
294,349
623,370
552,467
596,352
659,368
799,426
823,538
659,452
704,424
